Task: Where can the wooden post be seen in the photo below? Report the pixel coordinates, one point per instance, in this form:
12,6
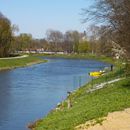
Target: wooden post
69,100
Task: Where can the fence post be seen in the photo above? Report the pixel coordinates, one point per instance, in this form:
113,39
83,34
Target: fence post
69,100
92,81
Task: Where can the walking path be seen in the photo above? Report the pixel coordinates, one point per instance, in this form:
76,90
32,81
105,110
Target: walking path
18,57
114,121
103,85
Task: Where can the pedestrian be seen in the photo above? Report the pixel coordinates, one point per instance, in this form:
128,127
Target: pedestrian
111,67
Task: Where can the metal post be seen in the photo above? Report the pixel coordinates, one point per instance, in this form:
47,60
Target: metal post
79,81
92,82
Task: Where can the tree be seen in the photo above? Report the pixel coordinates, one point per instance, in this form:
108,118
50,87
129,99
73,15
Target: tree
83,47
105,41
115,15
14,46
44,44
55,38
93,37
76,38
68,42
5,36
73,38
23,41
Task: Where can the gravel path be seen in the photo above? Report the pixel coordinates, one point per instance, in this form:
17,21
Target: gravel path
18,57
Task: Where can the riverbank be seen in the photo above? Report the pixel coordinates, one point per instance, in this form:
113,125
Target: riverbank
78,56
85,107
88,106
22,61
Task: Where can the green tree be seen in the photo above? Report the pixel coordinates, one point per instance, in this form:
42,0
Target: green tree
76,38
5,36
23,41
83,47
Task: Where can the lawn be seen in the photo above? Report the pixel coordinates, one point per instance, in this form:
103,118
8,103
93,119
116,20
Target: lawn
14,63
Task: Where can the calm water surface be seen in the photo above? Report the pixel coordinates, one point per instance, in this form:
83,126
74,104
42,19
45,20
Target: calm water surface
27,94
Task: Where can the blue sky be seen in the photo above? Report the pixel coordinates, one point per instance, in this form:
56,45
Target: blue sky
36,16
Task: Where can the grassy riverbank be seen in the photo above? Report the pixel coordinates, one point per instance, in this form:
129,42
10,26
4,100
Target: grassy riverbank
85,56
88,106
78,56
21,62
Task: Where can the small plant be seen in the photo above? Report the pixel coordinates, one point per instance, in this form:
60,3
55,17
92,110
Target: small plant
99,120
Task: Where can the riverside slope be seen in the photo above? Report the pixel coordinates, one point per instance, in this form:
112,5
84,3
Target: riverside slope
20,61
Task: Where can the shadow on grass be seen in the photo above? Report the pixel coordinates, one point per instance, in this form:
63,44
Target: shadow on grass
126,84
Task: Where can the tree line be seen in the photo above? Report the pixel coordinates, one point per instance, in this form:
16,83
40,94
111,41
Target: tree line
109,33
71,41
55,41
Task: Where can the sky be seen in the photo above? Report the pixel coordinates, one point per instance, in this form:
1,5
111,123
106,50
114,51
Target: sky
37,16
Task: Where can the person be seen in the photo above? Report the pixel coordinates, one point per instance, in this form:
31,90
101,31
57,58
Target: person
111,67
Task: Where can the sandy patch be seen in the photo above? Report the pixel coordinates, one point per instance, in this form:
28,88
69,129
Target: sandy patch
114,121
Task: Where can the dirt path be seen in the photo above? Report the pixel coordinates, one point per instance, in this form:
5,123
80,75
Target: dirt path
114,121
18,57
99,86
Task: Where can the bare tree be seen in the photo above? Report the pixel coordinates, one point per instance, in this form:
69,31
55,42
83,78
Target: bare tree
73,37
68,42
93,32
55,37
115,15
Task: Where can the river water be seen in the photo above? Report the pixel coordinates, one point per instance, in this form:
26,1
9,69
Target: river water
27,94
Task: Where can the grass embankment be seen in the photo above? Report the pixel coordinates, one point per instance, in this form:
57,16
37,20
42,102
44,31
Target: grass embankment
22,62
88,106
78,56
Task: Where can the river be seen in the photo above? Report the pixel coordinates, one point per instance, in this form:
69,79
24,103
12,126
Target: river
27,94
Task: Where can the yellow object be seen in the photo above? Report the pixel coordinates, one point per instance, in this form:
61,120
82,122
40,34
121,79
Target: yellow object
95,74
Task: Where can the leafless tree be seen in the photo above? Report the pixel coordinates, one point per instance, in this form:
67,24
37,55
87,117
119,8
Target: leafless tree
55,37
115,15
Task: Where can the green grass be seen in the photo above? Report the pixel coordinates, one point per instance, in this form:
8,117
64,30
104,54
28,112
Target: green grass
79,56
88,106
14,63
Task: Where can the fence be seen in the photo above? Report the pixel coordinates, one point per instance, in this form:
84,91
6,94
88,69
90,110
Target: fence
79,81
